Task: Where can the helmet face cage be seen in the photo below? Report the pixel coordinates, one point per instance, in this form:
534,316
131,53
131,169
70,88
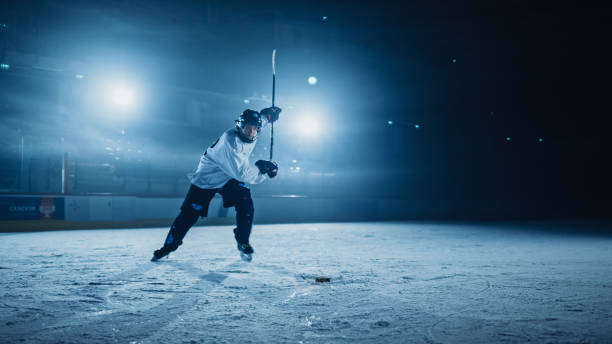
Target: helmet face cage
249,117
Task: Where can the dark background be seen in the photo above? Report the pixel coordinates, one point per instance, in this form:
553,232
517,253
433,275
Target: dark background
511,98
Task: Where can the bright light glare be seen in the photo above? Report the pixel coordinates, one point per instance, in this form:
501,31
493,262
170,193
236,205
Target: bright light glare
309,126
122,96
312,80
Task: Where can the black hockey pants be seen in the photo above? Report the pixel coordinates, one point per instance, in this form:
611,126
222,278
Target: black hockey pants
234,193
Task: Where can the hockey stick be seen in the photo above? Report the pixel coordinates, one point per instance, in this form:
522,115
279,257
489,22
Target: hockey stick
273,92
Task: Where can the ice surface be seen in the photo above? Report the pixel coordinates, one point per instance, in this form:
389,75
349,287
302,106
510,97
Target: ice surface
390,282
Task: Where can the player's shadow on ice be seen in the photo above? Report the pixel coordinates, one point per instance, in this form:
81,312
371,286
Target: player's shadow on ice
205,275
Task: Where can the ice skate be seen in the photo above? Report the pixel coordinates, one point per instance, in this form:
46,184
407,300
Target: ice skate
246,251
161,253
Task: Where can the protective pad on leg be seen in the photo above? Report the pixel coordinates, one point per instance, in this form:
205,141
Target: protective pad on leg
244,218
183,222
238,195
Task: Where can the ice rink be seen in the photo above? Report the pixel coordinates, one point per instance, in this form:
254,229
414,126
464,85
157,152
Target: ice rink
390,283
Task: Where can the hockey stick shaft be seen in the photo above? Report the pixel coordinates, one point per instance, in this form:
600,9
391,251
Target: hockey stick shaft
273,94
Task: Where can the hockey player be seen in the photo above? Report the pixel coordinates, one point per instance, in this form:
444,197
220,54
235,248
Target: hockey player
224,168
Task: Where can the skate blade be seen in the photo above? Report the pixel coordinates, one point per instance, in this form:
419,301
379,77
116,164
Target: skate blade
246,257
155,259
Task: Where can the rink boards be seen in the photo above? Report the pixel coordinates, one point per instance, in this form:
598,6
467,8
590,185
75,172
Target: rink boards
102,211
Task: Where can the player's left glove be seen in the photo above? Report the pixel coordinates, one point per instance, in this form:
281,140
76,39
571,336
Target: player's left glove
271,113
269,167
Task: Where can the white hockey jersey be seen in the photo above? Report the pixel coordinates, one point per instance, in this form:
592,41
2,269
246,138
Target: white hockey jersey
226,159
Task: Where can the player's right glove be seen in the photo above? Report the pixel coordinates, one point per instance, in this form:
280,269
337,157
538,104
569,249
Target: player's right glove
271,113
269,167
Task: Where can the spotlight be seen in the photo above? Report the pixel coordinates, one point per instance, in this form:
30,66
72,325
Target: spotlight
122,96
309,126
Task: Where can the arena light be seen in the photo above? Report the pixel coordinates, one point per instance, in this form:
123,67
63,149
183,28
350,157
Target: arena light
122,96
309,126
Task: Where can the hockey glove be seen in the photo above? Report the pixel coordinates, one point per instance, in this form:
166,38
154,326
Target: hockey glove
269,167
271,113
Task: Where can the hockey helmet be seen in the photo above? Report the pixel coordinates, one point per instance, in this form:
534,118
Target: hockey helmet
249,117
